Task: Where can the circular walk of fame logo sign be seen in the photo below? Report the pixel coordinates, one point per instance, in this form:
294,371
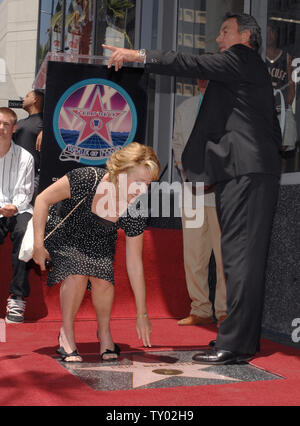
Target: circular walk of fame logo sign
93,119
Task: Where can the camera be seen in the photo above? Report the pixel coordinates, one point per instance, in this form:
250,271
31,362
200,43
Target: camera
49,265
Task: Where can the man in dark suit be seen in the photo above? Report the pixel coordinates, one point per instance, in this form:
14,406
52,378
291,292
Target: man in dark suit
234,146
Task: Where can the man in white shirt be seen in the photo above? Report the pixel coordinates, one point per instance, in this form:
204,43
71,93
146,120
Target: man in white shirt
16,191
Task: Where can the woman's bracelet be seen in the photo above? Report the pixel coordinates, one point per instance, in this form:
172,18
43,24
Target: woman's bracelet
142,315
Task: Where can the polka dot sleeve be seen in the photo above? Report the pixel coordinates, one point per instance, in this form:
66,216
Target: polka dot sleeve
133,224
82,181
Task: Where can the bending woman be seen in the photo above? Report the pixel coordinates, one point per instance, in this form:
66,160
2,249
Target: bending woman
82,248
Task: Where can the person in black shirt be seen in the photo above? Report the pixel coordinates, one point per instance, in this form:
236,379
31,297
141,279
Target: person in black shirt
279,62
30,127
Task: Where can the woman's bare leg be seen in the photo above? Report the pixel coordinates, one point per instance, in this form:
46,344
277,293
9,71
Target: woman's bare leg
102,298
72,291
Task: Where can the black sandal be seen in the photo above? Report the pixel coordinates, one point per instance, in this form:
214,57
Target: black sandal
116,351
60,351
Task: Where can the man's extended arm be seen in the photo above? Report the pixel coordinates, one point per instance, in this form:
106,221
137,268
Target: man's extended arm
226,66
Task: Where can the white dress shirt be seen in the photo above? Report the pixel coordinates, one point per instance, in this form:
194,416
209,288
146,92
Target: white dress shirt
17,179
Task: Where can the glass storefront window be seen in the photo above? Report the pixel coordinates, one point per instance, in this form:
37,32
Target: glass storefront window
115,24
87,24
79,27
77,17
56,26
49,38
283,34
198,27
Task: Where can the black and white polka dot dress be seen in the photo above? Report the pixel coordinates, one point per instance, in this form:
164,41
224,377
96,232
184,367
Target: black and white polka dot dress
85,244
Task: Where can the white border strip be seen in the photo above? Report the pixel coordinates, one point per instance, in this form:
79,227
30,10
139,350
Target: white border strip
290,179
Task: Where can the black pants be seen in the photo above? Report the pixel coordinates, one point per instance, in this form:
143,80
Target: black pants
36,187
16,225
245,207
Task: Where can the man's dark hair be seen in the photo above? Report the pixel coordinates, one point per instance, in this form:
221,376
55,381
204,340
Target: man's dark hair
39,93
247,22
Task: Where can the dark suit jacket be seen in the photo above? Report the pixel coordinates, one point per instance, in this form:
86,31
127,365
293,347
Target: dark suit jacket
237,131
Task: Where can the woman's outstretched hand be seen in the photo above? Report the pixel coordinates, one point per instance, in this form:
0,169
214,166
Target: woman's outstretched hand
144,329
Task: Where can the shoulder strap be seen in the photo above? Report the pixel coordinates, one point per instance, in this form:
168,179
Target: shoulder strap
72,211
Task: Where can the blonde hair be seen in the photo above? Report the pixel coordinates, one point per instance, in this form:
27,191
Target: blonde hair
131,156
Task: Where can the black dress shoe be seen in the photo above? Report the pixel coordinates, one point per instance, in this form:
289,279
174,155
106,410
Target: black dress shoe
220,357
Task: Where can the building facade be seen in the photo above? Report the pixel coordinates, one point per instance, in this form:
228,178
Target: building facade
18,40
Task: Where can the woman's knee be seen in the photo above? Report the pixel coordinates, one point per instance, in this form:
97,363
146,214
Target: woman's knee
102,292
99,284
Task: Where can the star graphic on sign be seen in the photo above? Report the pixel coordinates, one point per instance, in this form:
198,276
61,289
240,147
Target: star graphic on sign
96,120
144,374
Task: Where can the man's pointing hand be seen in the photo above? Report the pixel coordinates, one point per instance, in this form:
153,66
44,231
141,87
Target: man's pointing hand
121,55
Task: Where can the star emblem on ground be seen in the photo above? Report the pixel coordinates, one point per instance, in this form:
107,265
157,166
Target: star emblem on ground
160,370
